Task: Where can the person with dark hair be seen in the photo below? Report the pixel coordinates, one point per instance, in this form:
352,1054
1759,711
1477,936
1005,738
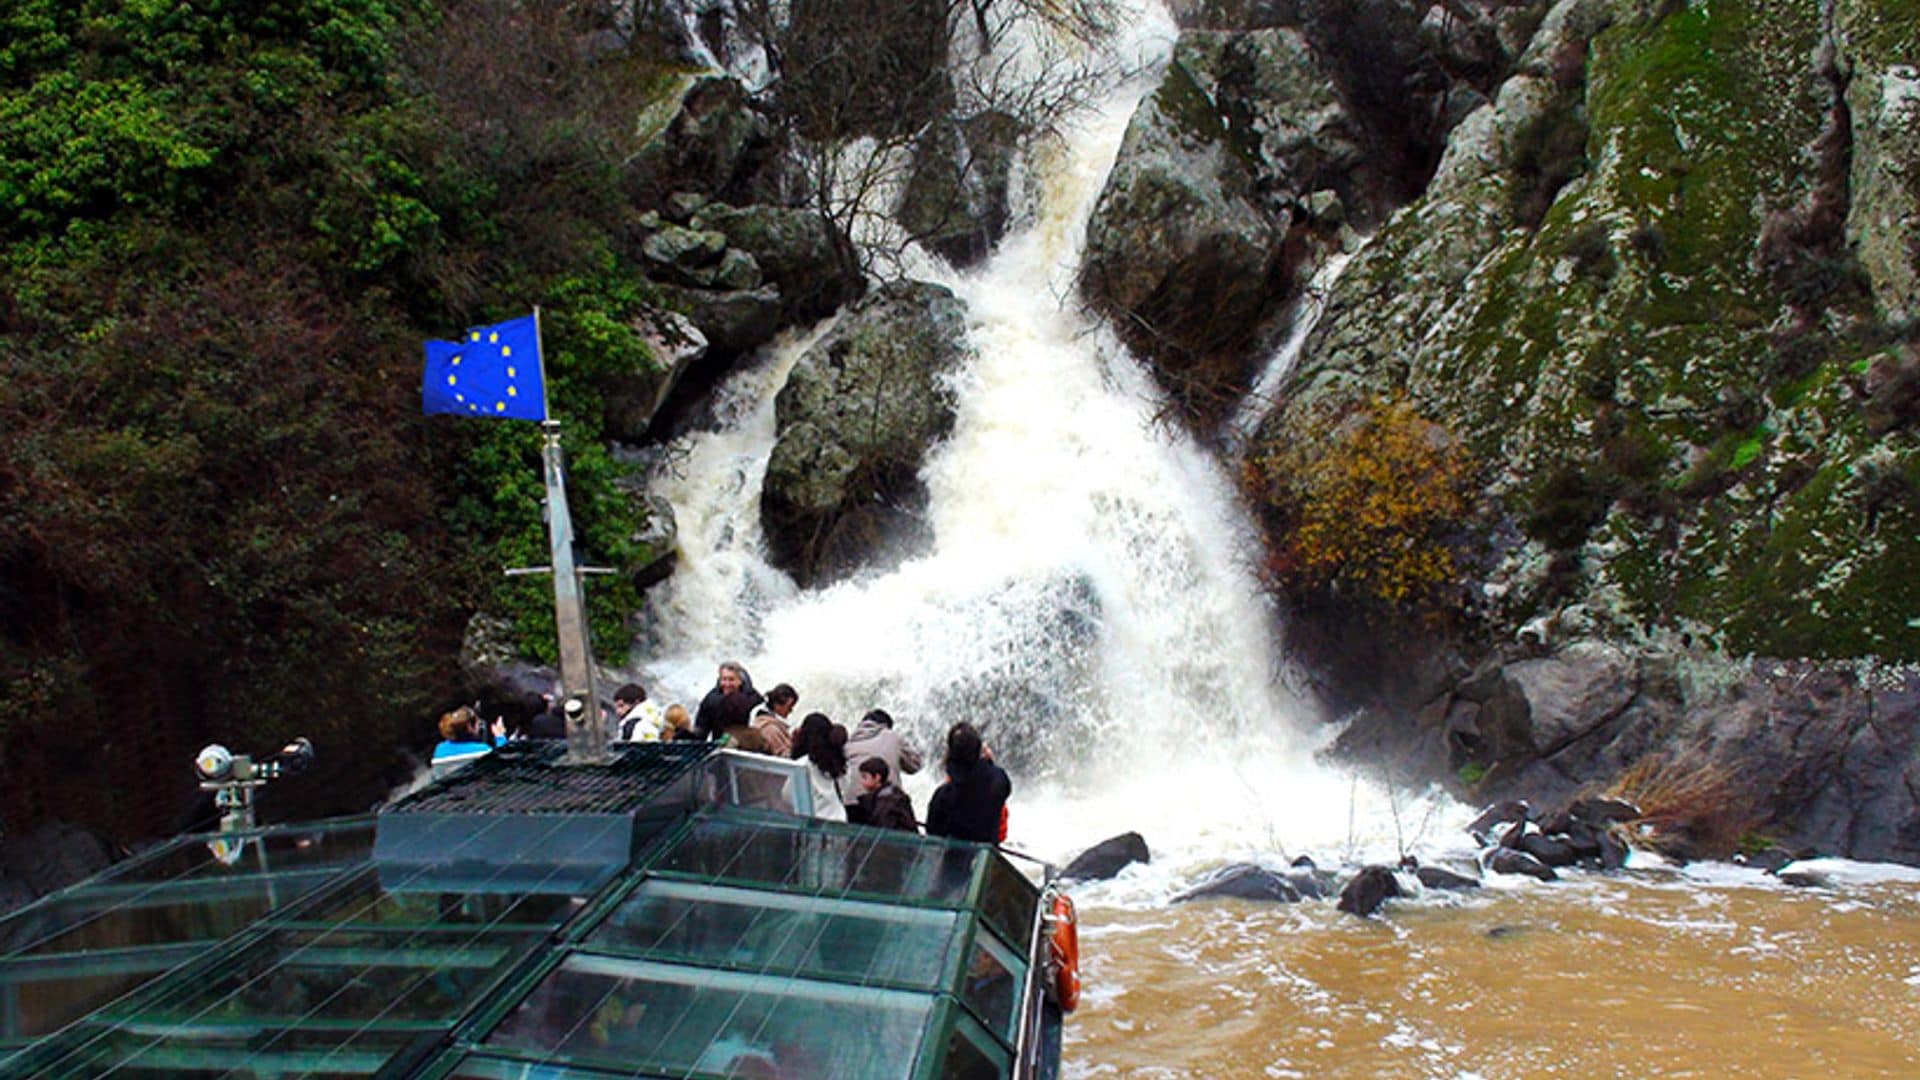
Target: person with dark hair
881,803
770,720
969,805
874,737
821,743
639,719
734,681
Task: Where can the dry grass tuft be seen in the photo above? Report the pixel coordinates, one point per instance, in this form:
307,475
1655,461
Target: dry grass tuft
1691,807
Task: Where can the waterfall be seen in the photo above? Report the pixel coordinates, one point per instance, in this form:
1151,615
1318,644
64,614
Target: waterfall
1089,599
1301,318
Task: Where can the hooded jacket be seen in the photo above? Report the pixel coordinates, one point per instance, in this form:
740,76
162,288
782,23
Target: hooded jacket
872,739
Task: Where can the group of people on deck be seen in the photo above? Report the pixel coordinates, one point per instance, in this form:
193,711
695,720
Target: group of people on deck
855,775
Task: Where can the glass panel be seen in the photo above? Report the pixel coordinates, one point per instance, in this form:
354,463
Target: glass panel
374,907
267,850
782,933
635,1015
480,1067
124,1053
1010,902
826,861
67,957
333,980
971,1054
992,984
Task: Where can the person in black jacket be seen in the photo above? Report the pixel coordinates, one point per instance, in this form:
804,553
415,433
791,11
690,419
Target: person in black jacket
716,710
881,803
968,805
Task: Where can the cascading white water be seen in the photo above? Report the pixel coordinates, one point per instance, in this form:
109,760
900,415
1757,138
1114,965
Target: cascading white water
1088,600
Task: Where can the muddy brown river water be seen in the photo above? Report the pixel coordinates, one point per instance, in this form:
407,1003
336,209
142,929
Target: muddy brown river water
1654,975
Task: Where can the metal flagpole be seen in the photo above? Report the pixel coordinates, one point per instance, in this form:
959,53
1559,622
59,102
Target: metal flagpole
586,735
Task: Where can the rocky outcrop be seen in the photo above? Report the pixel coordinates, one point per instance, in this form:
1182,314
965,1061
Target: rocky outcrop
705,133
631,400
742,273
1663,366
856,418
1874,47
1807,755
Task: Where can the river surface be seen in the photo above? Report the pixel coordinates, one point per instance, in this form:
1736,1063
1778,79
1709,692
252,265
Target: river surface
1647,974
1089,601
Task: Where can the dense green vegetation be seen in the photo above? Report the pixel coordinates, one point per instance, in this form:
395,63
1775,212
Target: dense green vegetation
225,229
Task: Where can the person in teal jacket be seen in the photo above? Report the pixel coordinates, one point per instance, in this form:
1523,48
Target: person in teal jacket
461,739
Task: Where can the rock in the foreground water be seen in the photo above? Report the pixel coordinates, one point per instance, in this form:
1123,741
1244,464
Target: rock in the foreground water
1370,888
1434,877
1510,861
1243,881
1108,857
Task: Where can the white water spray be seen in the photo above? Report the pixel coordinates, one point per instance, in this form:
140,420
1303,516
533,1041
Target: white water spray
1088,600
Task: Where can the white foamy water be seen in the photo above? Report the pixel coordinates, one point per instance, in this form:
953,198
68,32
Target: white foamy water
1088,601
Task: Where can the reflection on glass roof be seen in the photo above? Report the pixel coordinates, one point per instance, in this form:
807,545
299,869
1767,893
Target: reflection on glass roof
723,941
636,1015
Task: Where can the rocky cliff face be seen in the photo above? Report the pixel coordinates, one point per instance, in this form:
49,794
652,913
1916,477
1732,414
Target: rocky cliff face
1660,285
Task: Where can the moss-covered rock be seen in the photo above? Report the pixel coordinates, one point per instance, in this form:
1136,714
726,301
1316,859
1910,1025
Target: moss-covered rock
856,418
1660,352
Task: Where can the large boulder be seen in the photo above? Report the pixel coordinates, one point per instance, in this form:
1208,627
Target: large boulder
856,419
1367,890
1246,881
1108,857
630,401
1181,250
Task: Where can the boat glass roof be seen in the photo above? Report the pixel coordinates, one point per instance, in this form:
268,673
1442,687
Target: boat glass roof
732,940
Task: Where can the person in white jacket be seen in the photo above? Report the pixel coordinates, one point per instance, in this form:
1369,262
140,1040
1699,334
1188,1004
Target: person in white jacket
822,744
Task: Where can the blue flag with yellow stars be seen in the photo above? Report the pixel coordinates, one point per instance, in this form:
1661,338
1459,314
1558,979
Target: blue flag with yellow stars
491,371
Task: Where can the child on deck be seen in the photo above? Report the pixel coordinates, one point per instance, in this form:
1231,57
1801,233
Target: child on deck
880,802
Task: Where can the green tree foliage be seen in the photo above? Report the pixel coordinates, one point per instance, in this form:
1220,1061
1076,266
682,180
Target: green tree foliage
224,230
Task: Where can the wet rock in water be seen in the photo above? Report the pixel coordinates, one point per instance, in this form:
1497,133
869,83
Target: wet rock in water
1108,857
1770,860
1805,879
1551,850
1302,862
1368,889
1243,881
1434,877
1613,851
1501,813
1510,861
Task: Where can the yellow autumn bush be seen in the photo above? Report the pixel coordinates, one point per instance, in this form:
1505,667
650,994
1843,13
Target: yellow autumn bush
1369,510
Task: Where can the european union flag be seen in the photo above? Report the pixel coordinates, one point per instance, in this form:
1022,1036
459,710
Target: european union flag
492,371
